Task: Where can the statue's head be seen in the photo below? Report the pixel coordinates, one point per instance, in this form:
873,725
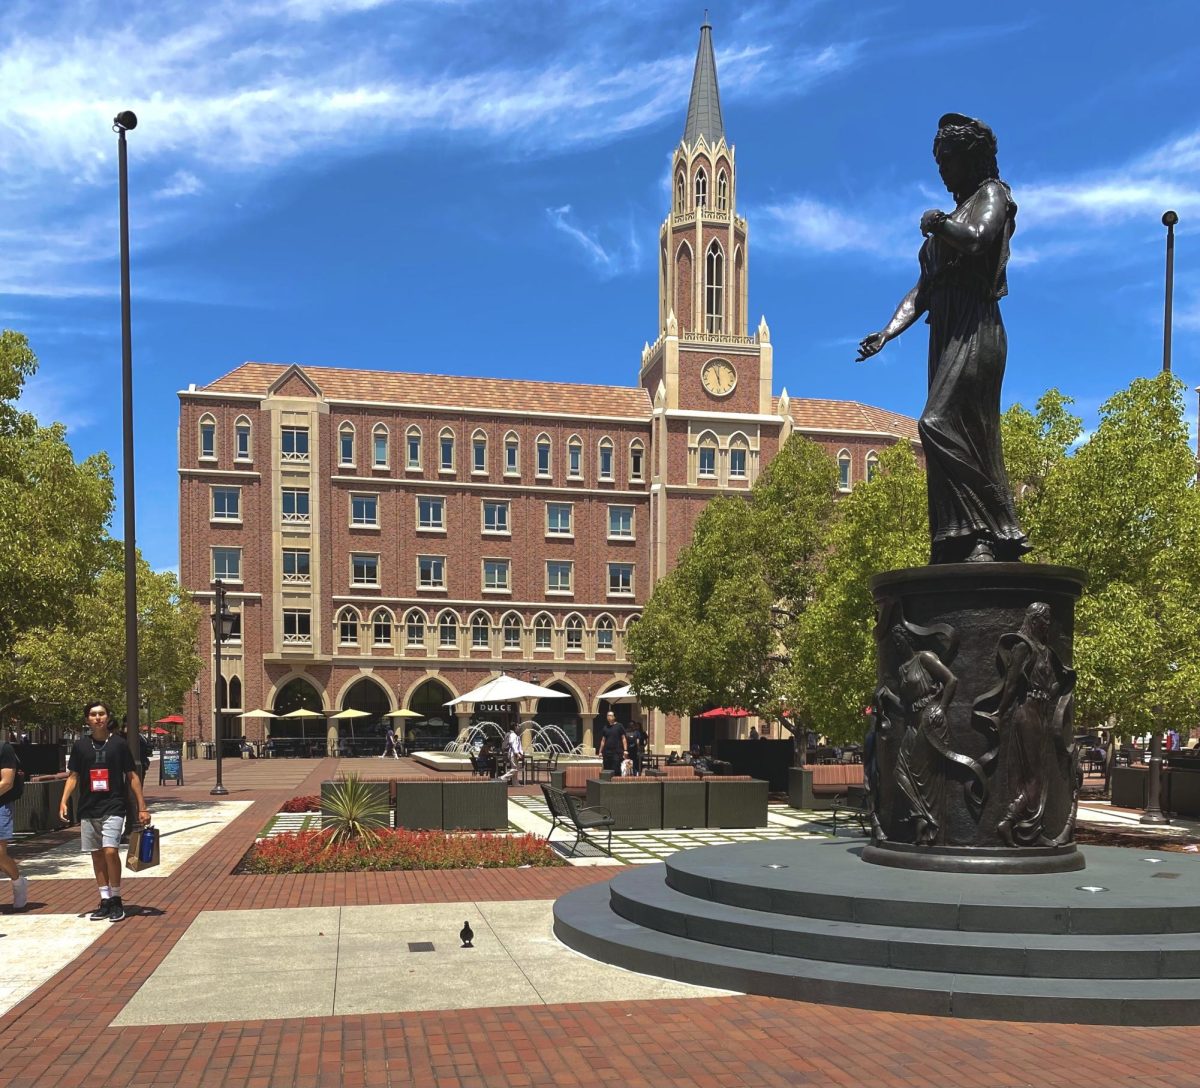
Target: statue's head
901,643
1037,619
965,150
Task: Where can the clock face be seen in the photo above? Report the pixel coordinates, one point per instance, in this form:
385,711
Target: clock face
718,377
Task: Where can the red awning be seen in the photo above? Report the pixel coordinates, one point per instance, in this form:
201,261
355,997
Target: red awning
724,712
171,719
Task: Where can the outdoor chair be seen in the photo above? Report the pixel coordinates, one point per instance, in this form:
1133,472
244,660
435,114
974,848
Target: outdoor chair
736,802
569,812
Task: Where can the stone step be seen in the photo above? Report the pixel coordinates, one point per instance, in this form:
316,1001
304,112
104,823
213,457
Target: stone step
641,895
585,921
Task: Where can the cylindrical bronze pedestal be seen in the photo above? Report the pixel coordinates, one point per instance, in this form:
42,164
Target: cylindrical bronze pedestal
972,764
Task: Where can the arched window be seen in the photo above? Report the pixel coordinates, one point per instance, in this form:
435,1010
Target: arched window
606,459
683,286
706,463
381,627
637,460
446,450
346,444
412,448
872,465
347,627
241,439
843,462
574,630
714,289
604,633
680,193
512,631
448,631
739,455
235,693
208,438
574,457
481,631
543,633
479,452
543,455
722,191
512,454
701,188
414,628
379,438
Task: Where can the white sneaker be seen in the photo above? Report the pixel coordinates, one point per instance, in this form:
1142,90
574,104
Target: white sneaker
20,890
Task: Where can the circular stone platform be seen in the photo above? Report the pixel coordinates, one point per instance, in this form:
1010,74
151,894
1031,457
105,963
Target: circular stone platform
1116,944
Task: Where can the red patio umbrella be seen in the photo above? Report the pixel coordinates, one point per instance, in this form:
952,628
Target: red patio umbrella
170,719
724,712
159,731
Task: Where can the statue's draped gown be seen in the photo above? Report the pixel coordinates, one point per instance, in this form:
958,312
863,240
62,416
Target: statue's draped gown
919,773
969,495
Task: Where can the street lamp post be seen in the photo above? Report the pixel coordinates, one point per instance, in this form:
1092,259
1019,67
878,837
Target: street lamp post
222,621
1169,220
122,123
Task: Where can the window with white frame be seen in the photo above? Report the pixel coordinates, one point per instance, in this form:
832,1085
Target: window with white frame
543,633
414,628
446,451
574,458
412,448
227,564
707,463
381,628
606,459
294,501
512,455
637,455
714,289
448,631
241,439
293,443
843,463
431,513
235,633
543,455
364,510
208,438
737,462
512,632
226,504
574,632
559,519
495,517
872,465
379,446
431,571
297,626
347,627
364,569
296,570
346,444
481,631
604,634
479,452
496,575
620,579
620,522
560,576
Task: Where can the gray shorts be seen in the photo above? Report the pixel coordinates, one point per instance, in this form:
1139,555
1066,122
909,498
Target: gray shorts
105,831
6,823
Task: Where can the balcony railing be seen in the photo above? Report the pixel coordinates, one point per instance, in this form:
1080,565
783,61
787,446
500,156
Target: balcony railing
296,456
297,639
297,579
295,518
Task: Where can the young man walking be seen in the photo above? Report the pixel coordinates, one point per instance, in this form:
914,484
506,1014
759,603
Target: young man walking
9,766
101,769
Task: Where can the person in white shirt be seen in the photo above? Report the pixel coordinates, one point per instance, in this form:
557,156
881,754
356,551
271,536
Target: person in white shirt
514,754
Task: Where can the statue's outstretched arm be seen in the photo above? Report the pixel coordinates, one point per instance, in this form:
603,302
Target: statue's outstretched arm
906,313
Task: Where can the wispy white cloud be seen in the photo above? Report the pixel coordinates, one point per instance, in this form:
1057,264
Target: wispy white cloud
621,255
181,183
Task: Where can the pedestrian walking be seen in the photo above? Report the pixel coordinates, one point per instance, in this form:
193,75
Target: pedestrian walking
10,790
514,754
614,745
637,741
101,770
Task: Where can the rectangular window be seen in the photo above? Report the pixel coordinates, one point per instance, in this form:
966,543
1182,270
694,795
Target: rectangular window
481,635
574,631
414,451
447,453
296,566
543,635
348,628
227,564
242,441
635,463
495,518
560,576
620,522
295,504
381,629
208,441
620,579
364,570
431,512
297,626
293,443
708,460
737,463
364,510
431,571
226,504
235,631
479,455
606,463
604,636
414,630
448,632
575,460
512,635
496,575
543,458
558,519
381,449
511,454
346,447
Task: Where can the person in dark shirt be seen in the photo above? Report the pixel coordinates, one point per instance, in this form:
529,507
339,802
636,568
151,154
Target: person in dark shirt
636,737
9,766
614,745
101,769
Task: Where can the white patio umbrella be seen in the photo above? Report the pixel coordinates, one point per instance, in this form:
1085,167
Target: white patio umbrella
623,694
507,689
258,714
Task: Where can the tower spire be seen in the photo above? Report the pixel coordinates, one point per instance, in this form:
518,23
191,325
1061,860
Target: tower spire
704,107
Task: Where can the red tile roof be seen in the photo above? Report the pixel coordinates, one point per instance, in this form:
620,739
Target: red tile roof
847,415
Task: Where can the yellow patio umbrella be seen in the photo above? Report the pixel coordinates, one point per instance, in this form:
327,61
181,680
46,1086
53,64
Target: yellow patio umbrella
348,715
303,714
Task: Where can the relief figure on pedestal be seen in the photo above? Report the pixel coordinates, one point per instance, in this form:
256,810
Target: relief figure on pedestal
963,276
1030,713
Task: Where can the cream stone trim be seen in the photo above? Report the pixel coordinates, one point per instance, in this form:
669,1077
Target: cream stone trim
226,473
724,417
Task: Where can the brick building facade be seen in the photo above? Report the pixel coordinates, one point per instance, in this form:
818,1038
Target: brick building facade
393,540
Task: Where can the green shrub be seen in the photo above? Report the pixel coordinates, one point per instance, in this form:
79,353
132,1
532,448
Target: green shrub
354,812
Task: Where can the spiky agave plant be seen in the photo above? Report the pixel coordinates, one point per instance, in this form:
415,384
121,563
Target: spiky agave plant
352,810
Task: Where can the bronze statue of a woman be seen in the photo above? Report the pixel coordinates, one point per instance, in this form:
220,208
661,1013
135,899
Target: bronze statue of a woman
963,262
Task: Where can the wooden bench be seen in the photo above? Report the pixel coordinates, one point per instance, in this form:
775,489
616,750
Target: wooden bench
567,811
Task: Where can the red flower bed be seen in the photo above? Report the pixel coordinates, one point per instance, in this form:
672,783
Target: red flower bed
314,852
309,803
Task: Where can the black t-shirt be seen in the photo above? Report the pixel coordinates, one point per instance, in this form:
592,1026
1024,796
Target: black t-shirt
637,742
112,757
613,736
8,758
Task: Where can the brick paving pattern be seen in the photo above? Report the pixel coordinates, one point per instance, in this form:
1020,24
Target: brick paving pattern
60,1035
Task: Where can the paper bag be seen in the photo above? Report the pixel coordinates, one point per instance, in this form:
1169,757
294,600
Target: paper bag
143,849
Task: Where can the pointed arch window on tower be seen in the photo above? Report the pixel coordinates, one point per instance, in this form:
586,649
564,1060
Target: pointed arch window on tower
714,289
680,193
722,191
701,188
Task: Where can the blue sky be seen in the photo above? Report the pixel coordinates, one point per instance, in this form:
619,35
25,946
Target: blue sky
476,188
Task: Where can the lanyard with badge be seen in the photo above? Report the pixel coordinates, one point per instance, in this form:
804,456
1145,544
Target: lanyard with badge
98,776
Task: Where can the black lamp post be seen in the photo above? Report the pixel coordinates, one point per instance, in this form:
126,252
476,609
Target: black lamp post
122,123
1169,220
222,621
